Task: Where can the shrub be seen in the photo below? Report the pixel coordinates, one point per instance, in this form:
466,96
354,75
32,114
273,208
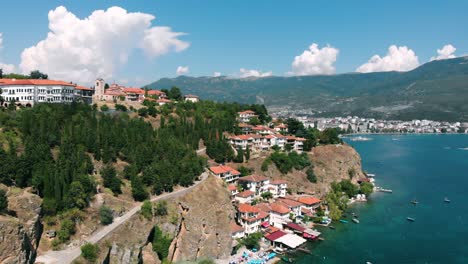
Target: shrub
105,215
311,175
147,210
3,202
161,243
120,107
67,228
366,188
104,108
267,195
252,241
161,208
90,252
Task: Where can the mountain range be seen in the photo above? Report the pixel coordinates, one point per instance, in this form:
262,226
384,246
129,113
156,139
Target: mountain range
437,90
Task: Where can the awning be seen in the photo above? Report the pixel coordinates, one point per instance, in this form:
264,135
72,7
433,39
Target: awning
265,224
291,240
312,232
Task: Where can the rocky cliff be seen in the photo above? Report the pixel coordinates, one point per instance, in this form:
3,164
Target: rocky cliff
204,230
331,163
198,220
21,230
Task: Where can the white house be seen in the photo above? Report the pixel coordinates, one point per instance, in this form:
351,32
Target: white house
245,116
226,173
237,231
278,188
30,91
248,217
255,183
245,196
191,98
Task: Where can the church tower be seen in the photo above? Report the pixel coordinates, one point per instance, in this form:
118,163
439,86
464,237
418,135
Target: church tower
99,90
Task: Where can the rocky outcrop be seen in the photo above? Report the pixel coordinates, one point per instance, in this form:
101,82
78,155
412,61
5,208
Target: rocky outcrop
204,230
148,256
331,163
20,231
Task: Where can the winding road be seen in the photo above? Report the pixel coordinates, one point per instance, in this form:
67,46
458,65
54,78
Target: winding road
68,255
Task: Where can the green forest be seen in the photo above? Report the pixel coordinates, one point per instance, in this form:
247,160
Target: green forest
52,147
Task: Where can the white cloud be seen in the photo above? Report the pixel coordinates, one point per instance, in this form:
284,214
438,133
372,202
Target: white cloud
244,73
6,68
446,52
181,70
81,50
315,61
216,74
397,59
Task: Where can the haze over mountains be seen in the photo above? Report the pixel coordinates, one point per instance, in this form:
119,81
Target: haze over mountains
437,90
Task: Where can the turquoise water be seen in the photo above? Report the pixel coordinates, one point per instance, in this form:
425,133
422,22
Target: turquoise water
423,167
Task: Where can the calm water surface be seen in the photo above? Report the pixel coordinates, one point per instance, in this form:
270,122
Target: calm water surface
423,167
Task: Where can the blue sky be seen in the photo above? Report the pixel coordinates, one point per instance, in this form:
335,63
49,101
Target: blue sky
225,36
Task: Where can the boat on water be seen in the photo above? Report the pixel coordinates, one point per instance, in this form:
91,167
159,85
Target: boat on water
331,227
380,189
414,202
343,221
446,200
359,138
410,219
355,220
370,175
287,260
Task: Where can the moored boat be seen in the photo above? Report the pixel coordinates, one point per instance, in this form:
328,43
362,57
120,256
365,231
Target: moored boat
414,202
446,200
355,220
343,221
410,219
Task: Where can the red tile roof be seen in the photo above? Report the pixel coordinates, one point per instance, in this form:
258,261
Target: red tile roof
224,169
290,203
235,228
134,90
82,88
253,178
232,187
245,194
246,112
191,96
164,101
295,226
36,82
278,182
247,208
274,236
308,200
155,92
278,208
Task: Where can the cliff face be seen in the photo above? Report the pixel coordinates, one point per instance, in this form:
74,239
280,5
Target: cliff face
335,163
331,163
204,230
198,220
20,233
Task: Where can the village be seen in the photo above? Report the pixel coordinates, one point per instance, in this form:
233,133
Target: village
265,208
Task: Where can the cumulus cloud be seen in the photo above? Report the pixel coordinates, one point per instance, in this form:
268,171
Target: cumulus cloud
315,61
181,70
6,68
397,59
446,52
216,74
244,73
81,50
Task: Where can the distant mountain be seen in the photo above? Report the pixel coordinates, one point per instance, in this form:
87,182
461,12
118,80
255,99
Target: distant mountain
436,90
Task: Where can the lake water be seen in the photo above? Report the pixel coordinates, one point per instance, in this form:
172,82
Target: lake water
423,167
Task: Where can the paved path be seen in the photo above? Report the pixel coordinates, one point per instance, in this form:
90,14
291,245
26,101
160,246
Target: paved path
68,255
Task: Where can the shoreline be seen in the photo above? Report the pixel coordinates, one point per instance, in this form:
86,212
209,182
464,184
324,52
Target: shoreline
400,133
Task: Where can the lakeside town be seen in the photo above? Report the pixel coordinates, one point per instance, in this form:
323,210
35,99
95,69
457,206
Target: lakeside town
363,125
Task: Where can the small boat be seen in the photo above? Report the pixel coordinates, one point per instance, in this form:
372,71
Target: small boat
370,175
414,202
321,239
384,190
355,220
331,227
287,260
446,200
343,221
410,219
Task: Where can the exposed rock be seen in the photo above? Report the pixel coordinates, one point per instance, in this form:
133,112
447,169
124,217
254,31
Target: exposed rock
331,163
20,234
148,256
204,230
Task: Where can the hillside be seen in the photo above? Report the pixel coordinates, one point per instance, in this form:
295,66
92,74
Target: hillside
436,90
